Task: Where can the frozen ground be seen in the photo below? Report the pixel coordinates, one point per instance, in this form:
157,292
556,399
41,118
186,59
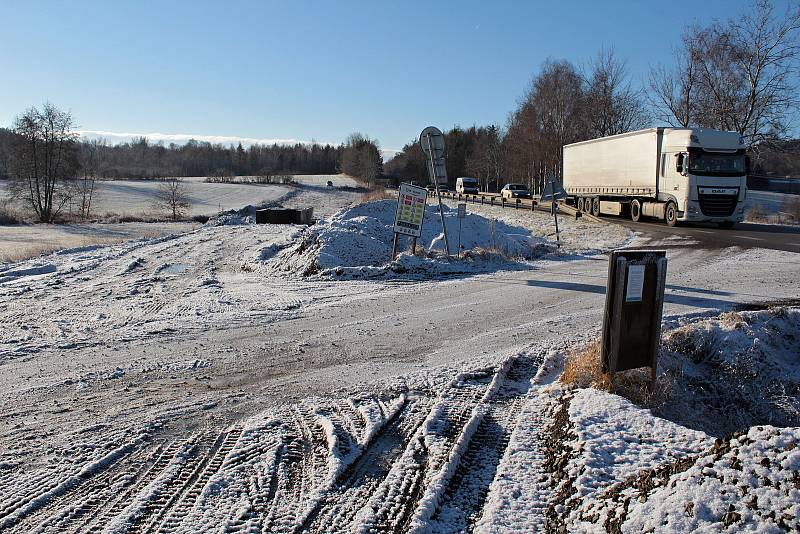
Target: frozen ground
185,383
27,240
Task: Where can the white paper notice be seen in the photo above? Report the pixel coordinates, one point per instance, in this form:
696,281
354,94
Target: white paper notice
635,284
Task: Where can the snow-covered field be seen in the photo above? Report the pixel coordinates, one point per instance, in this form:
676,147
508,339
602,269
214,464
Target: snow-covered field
24,241
135,198
192,383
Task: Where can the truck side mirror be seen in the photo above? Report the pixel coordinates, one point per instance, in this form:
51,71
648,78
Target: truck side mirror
679,163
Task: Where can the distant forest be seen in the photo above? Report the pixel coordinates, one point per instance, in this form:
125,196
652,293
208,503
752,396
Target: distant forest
144,159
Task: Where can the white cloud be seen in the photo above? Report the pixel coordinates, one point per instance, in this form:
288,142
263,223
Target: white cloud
179,139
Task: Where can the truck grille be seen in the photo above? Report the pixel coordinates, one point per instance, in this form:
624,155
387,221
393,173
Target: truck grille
718,205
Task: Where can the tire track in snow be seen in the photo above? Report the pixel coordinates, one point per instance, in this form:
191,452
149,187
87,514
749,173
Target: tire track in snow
393,503
187,496
192,470
465,495
337,510
74,511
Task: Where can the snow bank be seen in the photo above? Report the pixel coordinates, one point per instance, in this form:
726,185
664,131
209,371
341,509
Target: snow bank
357,242
734,371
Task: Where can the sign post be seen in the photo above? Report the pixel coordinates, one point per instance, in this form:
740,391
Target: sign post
462,212
634,305
555,192
409,215
432,141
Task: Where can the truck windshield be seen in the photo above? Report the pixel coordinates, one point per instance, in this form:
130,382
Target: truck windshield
716,164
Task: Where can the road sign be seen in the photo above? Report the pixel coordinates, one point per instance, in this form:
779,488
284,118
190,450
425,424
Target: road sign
462,212
410,210
553,190
634,304
432,140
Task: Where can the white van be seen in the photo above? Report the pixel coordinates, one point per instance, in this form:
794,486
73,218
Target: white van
466,185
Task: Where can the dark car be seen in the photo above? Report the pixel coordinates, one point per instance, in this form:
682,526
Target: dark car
515,191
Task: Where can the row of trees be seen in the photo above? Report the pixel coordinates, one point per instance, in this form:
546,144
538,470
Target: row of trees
143,159
361,158
49,168
740,75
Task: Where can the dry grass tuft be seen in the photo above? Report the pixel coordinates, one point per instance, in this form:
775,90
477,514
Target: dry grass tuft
791,208
9,215
375,193
584,370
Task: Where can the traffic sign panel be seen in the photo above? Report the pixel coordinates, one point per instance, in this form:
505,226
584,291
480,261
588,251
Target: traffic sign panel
410,210
432,139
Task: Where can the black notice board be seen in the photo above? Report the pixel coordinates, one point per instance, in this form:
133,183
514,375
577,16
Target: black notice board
634,304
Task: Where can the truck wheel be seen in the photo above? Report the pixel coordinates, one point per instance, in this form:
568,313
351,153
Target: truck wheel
579,204
671,214
636,210
596,206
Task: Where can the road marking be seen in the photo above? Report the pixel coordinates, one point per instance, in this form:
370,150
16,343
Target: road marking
751,238
704,232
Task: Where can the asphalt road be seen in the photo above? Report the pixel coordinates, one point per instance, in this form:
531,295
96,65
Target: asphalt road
710,236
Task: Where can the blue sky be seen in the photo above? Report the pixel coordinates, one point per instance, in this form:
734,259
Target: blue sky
312,70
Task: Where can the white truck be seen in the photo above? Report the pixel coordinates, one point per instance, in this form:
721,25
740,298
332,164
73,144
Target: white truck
671,174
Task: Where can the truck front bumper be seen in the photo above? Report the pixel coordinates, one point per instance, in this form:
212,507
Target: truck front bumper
693,213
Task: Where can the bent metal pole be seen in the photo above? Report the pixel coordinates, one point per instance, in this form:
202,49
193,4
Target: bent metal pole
438,195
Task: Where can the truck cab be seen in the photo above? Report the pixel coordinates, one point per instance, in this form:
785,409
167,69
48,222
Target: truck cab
704,172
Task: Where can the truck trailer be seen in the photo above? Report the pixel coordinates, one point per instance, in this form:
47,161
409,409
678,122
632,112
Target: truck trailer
671,174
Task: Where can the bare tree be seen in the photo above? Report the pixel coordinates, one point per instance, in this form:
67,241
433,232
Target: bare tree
44,160
767,53
673,92
611,105
86,183
741,75
173,198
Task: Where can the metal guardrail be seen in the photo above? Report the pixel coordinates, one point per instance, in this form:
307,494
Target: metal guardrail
495,199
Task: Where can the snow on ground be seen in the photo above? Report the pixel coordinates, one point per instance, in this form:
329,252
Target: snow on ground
578,236
28,240
186,383
768,201
358,242
134,198
603,464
